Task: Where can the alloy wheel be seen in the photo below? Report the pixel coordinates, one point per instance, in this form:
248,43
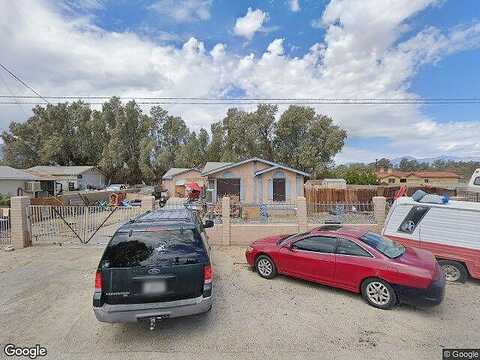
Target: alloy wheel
264,267
378,293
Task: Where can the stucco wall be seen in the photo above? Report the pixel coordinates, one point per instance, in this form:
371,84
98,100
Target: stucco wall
244,234
415,181
10,187
256,189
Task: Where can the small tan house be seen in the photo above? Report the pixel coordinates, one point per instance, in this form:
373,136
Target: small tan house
419,178
254,181
174,180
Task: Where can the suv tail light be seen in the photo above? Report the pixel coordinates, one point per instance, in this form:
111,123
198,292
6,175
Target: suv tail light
207,274
98,282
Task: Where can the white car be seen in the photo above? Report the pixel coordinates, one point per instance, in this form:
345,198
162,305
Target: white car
116,187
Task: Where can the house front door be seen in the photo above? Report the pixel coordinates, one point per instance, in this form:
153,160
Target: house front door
279,190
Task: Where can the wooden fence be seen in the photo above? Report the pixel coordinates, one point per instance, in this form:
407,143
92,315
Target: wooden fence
363,194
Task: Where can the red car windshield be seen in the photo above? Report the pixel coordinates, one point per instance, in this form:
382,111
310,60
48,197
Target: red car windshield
385,246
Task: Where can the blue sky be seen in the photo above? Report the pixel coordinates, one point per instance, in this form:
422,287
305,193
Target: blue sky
338,48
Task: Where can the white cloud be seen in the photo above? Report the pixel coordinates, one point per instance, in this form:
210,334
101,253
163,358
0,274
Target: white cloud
249,24
316,23
361,57
183,10
294,5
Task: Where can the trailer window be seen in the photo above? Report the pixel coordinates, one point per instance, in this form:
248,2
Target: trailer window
413,218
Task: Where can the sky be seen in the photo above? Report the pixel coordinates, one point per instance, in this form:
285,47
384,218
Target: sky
263,49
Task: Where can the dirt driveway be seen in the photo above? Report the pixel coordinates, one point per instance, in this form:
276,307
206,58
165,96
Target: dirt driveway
45,298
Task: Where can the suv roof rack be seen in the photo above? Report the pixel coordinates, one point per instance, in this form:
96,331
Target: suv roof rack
183,215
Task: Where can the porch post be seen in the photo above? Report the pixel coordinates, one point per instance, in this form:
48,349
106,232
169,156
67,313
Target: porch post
226,234
20,233
379,210
302,214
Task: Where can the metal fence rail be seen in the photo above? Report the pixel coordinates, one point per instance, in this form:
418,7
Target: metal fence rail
245,213
5,231
344,213
81,223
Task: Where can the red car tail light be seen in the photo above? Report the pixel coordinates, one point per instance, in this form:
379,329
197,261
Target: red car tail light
98,282
207,274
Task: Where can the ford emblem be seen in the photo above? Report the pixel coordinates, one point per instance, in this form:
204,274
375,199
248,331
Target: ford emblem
154,271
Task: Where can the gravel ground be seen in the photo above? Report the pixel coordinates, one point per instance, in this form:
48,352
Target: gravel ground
46,291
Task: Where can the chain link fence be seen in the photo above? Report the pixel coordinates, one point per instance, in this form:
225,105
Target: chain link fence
343,213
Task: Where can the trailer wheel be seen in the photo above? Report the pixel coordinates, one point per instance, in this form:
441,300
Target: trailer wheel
454,271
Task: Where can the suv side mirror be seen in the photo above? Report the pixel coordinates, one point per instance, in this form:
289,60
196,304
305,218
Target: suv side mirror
208,224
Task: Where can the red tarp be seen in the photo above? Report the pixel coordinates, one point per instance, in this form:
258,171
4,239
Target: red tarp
193,186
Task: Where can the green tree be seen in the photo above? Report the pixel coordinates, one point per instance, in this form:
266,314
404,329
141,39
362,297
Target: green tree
306,140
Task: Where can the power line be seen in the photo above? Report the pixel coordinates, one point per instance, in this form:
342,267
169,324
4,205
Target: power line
16,101
236,103
248,100
23,83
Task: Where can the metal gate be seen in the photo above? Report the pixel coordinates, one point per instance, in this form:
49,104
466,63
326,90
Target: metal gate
59,224
5,231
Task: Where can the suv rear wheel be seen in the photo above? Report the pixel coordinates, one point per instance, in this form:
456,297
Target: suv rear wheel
454,271
265,267
379,293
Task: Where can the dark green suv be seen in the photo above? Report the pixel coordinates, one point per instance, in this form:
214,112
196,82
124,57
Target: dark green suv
156,266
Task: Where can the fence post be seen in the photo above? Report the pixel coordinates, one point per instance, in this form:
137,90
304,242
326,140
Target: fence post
148,203
20,233
226,221
302,214
379,210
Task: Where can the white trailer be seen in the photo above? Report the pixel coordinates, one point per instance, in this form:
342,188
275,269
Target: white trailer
450,231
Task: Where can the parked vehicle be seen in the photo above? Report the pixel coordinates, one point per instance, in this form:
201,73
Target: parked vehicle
474,183
384,272
116,187
450,231
156,266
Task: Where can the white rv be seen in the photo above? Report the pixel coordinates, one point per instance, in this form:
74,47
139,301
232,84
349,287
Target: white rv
474,183
450,231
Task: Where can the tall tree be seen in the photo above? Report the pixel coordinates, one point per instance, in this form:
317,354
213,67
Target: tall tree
307,141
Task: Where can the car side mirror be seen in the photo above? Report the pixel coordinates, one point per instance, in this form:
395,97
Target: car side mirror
208,224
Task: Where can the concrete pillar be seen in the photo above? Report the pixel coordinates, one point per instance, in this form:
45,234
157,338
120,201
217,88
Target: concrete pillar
20,233
379,210
148,203
302,214
226,234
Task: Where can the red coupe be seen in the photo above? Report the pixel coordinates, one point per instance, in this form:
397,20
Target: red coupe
384,272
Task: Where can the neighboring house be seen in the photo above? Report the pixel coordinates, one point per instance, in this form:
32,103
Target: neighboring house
174,180
418,178
14,182
254,181
70,178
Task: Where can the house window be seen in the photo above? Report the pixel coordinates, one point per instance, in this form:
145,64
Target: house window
228,187
403,180
476,181
71,186
279,193
391,181
425,181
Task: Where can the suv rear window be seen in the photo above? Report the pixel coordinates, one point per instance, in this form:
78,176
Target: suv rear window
141,248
